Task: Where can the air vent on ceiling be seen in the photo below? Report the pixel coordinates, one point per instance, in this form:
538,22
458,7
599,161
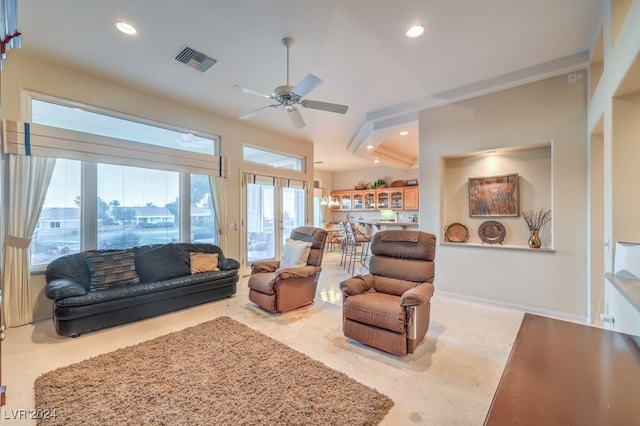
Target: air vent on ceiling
195,59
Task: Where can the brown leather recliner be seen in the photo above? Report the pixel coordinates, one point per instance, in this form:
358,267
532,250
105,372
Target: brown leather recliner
278,289
389,307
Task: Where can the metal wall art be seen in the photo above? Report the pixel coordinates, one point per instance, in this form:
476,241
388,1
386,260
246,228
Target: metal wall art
494,196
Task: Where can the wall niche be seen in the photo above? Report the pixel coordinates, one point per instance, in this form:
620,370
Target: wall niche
532,163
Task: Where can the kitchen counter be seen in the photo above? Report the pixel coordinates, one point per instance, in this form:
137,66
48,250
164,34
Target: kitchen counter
381,225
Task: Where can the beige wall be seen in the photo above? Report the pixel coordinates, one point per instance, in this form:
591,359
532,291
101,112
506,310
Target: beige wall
25,72
325,177
613,118
547,111
625,156
349,179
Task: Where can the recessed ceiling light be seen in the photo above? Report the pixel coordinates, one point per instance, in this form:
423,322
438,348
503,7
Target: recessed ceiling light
404,133
376,161
415,31
126,28
369,146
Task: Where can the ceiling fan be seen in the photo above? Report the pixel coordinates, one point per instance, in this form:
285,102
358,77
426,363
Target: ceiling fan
289,96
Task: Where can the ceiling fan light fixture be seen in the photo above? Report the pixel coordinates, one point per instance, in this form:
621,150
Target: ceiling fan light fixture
415,31
404,133
125,28
330,201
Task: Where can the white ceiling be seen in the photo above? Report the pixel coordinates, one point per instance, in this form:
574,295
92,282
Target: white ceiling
357,47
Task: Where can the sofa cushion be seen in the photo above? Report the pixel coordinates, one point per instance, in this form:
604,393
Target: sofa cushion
157,263
213,279
295,253
111,268
203,262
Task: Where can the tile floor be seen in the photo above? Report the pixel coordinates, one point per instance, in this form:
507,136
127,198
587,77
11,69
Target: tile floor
449,380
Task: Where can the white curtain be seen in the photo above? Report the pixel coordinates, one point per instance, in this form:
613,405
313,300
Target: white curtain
30,177
218,187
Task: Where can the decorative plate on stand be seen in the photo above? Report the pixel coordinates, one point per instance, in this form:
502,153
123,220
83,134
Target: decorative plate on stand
456,233
492,232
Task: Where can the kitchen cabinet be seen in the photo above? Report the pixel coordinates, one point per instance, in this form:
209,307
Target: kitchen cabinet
364,200
411,200
345,201
401,198
396,199
358,201
382,199
370,200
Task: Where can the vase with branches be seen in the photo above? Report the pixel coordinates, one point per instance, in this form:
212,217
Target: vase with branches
535,221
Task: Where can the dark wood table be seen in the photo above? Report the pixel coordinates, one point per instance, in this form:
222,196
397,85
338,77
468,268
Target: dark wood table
561,373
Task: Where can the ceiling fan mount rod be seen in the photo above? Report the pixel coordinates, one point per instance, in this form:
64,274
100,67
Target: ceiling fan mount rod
287,42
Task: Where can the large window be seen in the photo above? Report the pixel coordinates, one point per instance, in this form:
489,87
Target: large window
134,206
122,206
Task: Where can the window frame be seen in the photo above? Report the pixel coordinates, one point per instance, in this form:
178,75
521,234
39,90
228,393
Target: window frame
30,95
89,183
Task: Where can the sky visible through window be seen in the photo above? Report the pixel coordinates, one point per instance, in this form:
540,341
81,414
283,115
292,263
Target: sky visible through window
78,119
132,186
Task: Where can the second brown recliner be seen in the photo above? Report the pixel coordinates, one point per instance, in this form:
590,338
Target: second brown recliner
389,308
280,289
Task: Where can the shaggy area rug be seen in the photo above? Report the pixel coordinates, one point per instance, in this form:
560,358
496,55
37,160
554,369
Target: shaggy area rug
220,372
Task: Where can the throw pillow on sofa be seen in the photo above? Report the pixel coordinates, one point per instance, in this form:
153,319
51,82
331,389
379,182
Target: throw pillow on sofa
158,263
203,262
295,253
110,268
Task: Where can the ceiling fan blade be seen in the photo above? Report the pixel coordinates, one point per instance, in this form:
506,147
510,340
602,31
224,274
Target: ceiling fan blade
296,117
254,113
325,106
307,84
250,91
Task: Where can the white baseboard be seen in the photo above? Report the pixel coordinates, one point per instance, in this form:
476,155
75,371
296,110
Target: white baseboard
524,308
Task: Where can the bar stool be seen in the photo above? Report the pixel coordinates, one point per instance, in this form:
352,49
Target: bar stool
354,239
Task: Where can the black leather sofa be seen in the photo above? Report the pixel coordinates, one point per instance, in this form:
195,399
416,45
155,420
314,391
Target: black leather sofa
165,284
